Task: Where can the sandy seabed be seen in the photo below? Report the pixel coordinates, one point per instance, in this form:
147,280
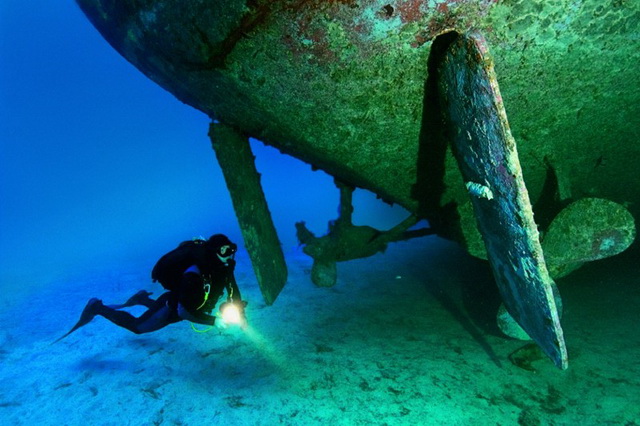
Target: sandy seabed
407,337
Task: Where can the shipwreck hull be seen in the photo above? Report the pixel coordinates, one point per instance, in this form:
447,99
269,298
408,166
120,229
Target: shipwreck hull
352,88
340,84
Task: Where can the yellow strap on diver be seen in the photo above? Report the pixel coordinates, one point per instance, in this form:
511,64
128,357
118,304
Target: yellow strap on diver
207,289
201,331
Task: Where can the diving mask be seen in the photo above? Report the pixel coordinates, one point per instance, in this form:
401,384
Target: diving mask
226,252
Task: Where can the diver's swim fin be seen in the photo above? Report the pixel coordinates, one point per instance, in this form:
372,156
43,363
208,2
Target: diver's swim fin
88,313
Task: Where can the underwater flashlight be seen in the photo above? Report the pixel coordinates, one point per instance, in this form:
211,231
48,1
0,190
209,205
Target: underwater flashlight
230,313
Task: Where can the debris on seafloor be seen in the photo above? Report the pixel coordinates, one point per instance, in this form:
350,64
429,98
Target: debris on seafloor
525,356
486,152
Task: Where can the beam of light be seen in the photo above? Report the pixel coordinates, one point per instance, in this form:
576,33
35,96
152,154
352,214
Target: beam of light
231,318
267,349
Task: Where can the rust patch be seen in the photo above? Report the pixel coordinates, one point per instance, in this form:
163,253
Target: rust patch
258,13
410,10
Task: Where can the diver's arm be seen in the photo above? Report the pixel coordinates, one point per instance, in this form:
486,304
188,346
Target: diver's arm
199,318
235,298
233,292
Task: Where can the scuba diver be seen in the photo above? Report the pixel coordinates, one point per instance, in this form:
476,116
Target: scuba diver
195,274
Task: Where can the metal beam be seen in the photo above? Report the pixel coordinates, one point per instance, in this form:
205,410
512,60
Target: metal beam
243,181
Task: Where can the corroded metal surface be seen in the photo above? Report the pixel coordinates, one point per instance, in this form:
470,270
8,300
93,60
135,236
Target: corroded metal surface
488,158
586,230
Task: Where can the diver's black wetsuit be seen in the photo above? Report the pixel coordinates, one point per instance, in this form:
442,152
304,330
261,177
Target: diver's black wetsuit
200,287
190,302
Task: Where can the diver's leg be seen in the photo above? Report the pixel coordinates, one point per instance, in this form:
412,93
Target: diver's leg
140,298
158,315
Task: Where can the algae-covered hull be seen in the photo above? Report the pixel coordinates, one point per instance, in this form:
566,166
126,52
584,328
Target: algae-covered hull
340,84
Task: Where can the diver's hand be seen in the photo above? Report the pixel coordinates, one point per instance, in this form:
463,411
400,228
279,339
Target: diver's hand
232,312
